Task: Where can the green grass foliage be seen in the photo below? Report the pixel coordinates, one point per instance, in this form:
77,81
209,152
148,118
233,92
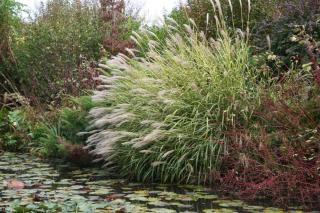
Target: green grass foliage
165,116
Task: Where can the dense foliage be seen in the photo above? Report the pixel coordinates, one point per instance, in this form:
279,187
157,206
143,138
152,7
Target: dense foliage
277,155
224,93
51,49
237,14
208,110
47,57
169,111
8,22
292,33
54,52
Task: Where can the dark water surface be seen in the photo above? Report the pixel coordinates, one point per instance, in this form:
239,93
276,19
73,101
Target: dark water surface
65,188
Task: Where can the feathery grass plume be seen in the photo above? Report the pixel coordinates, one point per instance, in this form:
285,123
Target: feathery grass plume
184,99
153,136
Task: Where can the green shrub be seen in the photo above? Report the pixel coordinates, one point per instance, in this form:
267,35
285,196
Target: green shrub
165,117
48,135
57,137
74,120
9,21
290,32
9,10
15,130
51,49
49,143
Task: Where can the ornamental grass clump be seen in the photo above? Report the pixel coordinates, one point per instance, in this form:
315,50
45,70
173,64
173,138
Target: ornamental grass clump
164,117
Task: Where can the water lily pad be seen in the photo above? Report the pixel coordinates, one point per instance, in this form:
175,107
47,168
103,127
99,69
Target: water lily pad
159,203
76,187
250,207
142,193
135,197
208,197
67,182
223,210
273,210
162,210
102,191
182,205
66,188
229,203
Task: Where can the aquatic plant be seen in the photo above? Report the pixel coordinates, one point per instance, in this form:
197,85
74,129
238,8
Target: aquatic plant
63,187
164,116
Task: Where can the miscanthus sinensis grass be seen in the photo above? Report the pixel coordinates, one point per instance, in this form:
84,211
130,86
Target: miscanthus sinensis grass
165,117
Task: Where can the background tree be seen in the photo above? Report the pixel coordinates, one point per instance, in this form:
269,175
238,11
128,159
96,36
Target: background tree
117,26
9,20
55,50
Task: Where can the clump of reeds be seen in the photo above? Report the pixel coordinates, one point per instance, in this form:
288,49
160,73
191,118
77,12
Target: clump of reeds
164,117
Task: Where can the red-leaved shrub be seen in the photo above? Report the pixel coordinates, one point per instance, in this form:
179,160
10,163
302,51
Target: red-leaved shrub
278,157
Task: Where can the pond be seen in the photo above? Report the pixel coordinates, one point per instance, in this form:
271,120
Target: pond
65,188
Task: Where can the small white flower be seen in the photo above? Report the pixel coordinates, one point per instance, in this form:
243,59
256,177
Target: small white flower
272,57
293,39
